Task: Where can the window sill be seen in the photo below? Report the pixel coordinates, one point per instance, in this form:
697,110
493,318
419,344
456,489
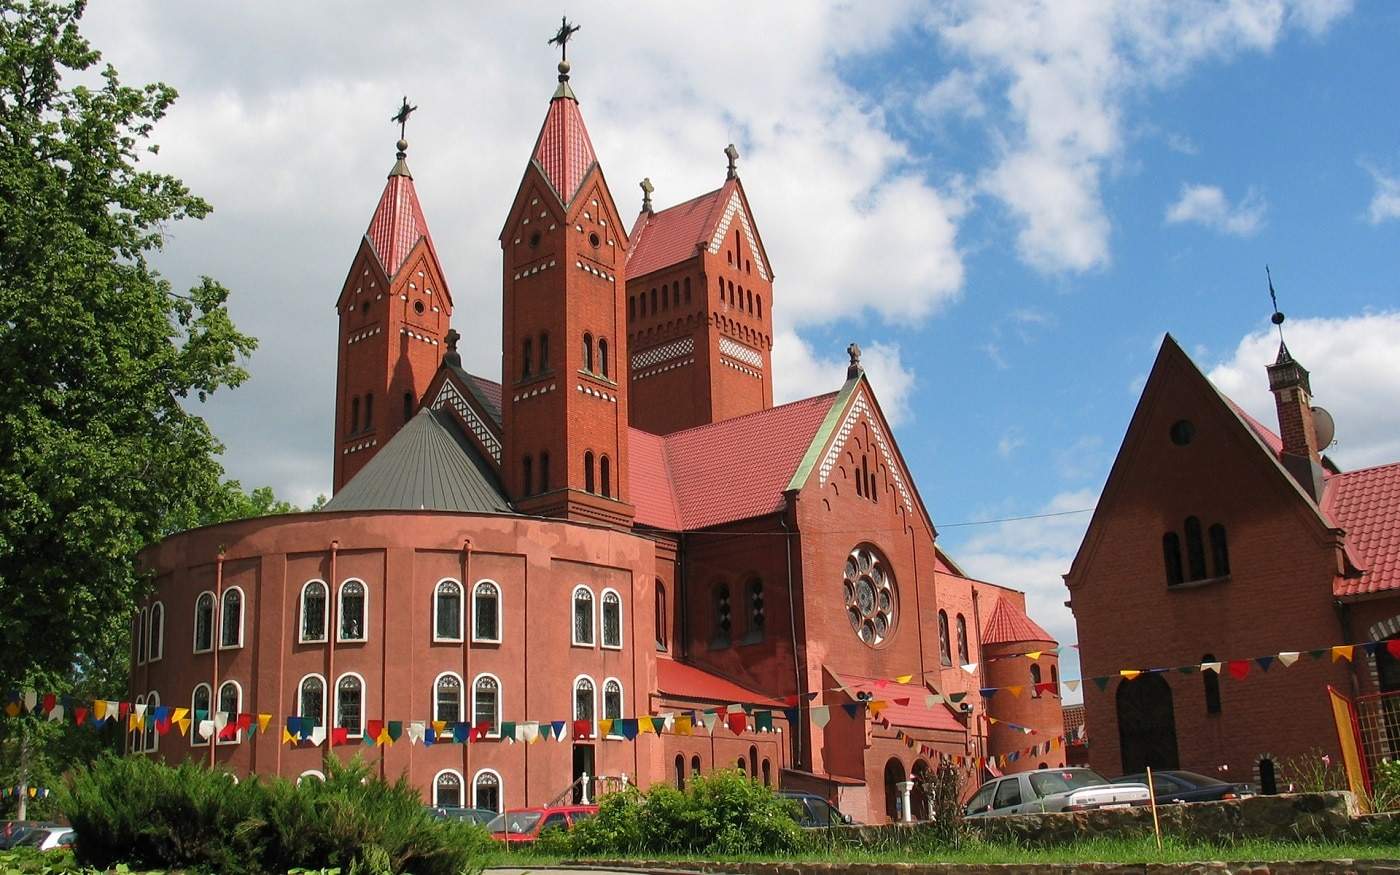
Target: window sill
611,646
311,640
585,645
1196,584
340,640
153,659
238,646
597,378
536,377
198,650
494,642
437,640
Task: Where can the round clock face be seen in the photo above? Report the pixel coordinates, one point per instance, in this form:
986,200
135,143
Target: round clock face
872,601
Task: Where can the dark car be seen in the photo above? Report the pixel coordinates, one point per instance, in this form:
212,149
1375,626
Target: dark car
478,816
814,811
1177,786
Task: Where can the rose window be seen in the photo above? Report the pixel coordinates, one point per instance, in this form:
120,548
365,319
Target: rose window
872,601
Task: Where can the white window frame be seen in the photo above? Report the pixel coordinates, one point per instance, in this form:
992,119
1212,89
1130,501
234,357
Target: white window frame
213,623
621,705
364,704
324,695
152,703
136,738
573,700
602,602
461,694
340,613
242,618
500,787
195,739
214,709
309,773
140,638
461,785
155,647
461,610
500,697
500,613
592,617
325,613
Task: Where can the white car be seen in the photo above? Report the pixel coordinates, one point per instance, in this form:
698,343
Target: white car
47,838
1067,789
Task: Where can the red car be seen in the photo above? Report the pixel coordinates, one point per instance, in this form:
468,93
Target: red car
526,824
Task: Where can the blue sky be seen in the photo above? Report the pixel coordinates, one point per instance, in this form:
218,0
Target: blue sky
1006,203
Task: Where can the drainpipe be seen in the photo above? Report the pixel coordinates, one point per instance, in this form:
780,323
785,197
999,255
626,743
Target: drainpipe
981,670
792,626
680,607
215,639
332,689
1344,616
464,702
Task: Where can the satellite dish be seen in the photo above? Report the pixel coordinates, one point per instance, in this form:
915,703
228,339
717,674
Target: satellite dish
1325,427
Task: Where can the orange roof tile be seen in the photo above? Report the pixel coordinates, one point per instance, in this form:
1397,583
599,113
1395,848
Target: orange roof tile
674,234
1366,505
1008,624
1074,720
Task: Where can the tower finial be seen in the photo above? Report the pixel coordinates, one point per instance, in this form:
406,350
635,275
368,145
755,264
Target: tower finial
647,189
1278,316
561,39
452,357
855,369
733,155
401,117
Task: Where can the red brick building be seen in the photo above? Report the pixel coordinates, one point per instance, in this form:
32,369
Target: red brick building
1217,540
623,525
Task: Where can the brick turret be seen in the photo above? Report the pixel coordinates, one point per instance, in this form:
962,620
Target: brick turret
1288,380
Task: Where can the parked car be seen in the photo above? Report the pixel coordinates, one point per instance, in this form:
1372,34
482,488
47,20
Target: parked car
478,816
526,824
1068,789
47,838
11,831
1178,786
814,811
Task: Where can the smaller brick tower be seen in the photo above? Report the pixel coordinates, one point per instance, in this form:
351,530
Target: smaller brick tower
394,311
1292,390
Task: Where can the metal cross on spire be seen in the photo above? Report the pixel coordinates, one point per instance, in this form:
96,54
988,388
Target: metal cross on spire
402,116
561,39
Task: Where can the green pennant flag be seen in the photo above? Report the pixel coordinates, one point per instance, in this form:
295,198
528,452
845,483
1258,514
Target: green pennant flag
395,729
1100,682
508,730
763,721
1318,654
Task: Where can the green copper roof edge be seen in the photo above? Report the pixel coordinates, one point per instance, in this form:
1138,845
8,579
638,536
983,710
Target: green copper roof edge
828,428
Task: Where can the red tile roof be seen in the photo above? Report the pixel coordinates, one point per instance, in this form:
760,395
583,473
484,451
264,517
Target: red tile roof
397,223
563,151
680,681
1271,440
914,714
1074,720
673,235
1366,505
1008,624
649,481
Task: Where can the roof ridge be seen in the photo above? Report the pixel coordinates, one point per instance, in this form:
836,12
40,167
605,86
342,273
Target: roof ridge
768,410
686,202
1366,470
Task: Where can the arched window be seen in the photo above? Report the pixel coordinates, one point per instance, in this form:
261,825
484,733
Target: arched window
680,771
151,742
584,708
612,705
605,475
350,704
544,351
757,620
204,622
1055,680
526,353
155,631
723,619
631,307
753,761
486,703
944,653
369,411
759,301
1219,554
313,611
139,634
447,611
588,352
486,613
687,290
1035,681
1195,549
695,765
1211,680
1171,557
740,765
352,610
527,476
963,658
588,471
655,308
583,616
311,699
231,625
447,789
544,471
603,356
486,790
767,773
355,414
310,775
407,406
612,619
661,616
201,702
230,704
721,290
134,737
447,697
676,293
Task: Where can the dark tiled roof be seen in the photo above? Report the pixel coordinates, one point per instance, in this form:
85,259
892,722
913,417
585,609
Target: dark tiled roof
428,465
488,392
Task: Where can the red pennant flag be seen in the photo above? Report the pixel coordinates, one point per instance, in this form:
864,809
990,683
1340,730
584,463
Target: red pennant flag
123,709
373,728
1238,668
583,729
49,701
79,715
339,735
1393,647
244,721
902,702
737,722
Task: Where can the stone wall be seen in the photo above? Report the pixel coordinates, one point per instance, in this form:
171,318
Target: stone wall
1302,867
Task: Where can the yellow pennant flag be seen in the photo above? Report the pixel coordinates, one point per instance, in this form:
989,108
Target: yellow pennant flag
876,706
179,714
1033,655
1130,673
992,720
605,727
683,725
904,679
383,736
184,724
1341,651
1015,691
134,722
288,737
263,720
644,725
99,708
438,727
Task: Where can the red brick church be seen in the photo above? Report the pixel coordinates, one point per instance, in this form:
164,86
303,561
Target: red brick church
618,525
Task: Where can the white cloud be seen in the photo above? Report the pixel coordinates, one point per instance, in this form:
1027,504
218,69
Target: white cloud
954,95
1206,205
1355,367
1010,442
1385,203
1182,144
800,372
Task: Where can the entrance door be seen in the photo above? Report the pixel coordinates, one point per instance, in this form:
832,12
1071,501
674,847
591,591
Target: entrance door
894,776
1146,724
583,765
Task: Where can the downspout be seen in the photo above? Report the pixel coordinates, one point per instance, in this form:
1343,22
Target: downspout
792,628
332,688
215,640
680,606
981,671
468,617
1344,617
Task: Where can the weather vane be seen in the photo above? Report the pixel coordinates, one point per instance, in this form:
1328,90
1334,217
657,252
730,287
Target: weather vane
402,116
561,39
1277,318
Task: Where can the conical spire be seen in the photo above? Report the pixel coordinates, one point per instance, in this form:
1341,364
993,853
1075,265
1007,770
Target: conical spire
563,152
398,220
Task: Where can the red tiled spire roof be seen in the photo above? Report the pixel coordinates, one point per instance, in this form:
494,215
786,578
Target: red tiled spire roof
398,220
1366,505
563,152
674,234
1008,624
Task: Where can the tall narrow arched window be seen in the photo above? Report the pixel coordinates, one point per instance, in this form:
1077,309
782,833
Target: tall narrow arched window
486,791
945,655
350,705
753,761
583,616
758,299
527,347
612,705
588,471
1219,553
1171,557
680,771
605,475
447,698
155,631
527,476
407,406
230,704
721,290
661,616
201,703
352,611
486,703
544,472
1211,681
447,789
134,736
138,634
588,352
544,351
311,699
758,620
486,613
447,611
603,356
676,293
355,414
204,622
631,307
1195,550
767,773
151,742
963,658
612,619
655,308
313,612
231,625
695,765
720,636
369,411
1035,681
687,290
584,705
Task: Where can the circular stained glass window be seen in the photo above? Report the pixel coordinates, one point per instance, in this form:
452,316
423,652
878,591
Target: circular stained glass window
872,601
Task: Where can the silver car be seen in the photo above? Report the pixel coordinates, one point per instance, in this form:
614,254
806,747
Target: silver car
1067,789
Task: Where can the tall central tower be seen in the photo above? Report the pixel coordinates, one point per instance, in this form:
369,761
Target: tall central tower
563,384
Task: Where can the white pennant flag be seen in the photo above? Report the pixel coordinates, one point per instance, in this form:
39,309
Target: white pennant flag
31,698
1071,685
1211,666
1288,657
668,721
531,732
932,699
220,720
821,715
734,709
318,735
970,668
140,709
113,710
206,728
56,714
416,732
710,720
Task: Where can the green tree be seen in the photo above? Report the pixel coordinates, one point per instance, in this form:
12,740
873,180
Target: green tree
98,453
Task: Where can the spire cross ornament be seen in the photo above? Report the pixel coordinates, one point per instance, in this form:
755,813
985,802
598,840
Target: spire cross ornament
561,39
647,189
402,116
733,155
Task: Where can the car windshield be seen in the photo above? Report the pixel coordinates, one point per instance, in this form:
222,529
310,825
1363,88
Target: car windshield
515,822
580,815
1198,780
32,838
1063,781
822,812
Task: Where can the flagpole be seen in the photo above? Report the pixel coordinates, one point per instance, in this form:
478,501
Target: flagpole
1152,799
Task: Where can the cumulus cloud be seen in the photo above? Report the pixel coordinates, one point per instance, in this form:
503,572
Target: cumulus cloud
1385,203
1355,366
955,95
1206,205
800,372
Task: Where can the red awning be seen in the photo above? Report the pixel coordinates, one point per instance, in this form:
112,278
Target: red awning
676,680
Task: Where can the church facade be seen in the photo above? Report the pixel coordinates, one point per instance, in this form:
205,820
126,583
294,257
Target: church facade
615,559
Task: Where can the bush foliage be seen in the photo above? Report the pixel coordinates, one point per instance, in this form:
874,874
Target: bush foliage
136,811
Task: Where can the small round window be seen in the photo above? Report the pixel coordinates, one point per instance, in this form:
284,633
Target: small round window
418,307
534,239
872,599
593,240
1182,431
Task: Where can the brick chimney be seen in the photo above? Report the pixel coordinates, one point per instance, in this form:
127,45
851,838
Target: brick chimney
1288,380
